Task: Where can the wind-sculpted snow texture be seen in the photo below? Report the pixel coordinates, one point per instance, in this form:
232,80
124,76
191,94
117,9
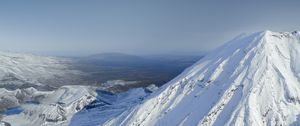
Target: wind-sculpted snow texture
252,80
107,106
53,108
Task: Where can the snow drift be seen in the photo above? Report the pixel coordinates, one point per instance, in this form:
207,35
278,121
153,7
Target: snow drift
251,80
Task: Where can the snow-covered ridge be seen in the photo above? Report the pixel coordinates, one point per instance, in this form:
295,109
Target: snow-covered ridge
252,80
52,108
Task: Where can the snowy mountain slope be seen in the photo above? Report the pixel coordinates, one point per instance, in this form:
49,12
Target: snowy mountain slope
19,70
14,98
107,106
252,80
53,108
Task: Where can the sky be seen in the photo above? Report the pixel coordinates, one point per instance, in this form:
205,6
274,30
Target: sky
84,27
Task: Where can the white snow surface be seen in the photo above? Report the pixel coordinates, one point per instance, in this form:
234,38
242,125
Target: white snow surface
252,80
54,108
107,106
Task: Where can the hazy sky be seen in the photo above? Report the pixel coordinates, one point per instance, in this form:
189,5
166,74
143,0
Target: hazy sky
84,27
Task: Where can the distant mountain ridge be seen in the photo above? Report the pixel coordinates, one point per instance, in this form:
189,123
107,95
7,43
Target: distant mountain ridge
19,70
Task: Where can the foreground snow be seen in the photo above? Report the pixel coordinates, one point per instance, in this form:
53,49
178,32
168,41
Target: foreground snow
52,108
107,106
251,80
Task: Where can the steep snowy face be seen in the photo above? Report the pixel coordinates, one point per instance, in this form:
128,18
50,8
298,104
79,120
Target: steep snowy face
251,80
24,70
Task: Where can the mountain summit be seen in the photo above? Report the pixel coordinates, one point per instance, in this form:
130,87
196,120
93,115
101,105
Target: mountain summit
252,80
